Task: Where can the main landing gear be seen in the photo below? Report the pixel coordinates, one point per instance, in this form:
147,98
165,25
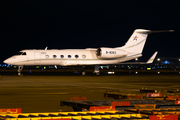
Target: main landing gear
19,70
82,71
96,71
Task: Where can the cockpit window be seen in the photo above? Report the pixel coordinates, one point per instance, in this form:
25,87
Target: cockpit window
24,53
21,53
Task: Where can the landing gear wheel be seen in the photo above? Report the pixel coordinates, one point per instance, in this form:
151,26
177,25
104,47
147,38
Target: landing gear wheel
83,73
97,73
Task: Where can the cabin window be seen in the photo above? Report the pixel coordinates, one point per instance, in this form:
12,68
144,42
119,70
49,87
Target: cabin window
47,56
83,56
54,56
69,56
76,56
62,56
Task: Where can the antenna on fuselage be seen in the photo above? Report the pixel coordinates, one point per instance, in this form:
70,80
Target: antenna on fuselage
46,48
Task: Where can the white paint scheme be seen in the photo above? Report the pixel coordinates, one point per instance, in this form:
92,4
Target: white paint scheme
89,56
34,57
131,50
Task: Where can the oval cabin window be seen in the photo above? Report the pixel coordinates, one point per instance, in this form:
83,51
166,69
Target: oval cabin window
69,56
47,56
83,56
62,56
54,56
76,56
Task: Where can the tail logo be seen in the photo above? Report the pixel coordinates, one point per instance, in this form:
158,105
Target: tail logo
135,38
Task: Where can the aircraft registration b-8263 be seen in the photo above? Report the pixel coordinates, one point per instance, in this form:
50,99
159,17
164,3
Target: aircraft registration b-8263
89,56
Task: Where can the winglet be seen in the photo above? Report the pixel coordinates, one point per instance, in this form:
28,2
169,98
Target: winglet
152,58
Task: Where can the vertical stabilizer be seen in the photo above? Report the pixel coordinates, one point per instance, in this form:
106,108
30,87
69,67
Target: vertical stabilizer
136,42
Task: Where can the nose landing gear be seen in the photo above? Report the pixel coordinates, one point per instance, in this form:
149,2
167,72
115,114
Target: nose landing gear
19,70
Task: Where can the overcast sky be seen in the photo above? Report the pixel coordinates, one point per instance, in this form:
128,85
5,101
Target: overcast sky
29,24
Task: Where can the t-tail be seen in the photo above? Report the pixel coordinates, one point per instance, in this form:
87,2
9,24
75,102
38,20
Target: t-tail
136,42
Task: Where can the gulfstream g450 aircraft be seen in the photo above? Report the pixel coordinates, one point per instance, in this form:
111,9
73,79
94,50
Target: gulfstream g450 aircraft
90,56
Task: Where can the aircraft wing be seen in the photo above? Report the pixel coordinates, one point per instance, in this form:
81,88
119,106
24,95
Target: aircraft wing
151,59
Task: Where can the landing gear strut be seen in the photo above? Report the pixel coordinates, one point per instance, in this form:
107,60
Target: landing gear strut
96,70
19,70
55,66
82,71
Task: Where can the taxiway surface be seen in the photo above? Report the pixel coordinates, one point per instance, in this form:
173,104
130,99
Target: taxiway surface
44,93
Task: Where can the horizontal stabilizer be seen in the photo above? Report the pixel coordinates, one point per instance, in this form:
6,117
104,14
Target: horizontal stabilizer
149,31
160,31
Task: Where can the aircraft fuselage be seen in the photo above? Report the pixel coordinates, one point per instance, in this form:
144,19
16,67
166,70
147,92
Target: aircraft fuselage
64,57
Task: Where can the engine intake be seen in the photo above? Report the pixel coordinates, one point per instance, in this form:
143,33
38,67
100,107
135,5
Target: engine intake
110,53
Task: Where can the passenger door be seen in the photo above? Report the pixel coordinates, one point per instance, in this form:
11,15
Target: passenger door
37,58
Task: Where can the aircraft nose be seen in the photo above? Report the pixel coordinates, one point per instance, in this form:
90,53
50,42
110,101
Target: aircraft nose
8,61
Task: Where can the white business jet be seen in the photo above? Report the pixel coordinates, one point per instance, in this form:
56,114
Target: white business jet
90,56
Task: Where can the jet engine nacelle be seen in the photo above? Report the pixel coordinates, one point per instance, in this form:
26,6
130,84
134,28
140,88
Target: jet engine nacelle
103,53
